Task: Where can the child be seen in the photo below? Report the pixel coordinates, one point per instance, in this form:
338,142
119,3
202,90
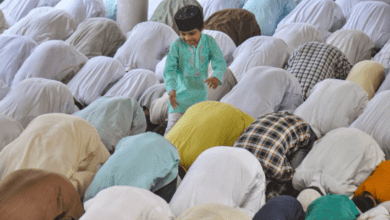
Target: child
186,68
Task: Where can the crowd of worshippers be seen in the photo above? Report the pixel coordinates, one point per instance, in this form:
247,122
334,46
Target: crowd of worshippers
293,123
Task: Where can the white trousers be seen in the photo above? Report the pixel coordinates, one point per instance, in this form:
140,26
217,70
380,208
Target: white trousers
172,119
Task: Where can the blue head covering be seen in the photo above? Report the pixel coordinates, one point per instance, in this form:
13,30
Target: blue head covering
281,208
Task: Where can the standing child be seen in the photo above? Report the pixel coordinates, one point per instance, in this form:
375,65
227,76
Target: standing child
186,68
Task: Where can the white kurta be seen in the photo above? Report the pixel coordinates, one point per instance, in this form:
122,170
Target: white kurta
339,162
347,5
224,175
325,15
14,51
89,83
264,90
375,122
3,22
59,143
372,18
54,59
9,130
15,10
383,56
259,51
133,84
159,109
43,24
333,103
147,43
228,83
4,89
296,34
83,9
37,96
355,44
126,203
377,213
151,94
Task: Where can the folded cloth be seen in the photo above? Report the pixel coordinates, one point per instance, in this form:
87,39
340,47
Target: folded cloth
34,194
368,74
126,203
84,9
114,118
296,34
53,59
355,44
15,49
219,124
370,17
97,37
34,97
59,143
213,211
239,24
259,51
10,129
213,179
166,10
43,24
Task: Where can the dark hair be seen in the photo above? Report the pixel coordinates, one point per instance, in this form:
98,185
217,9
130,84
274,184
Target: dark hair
364,202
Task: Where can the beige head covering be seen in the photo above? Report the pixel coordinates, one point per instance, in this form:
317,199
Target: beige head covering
369,74
213,211
307,196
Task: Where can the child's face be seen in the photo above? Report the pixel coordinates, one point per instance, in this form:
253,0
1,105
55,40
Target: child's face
192,37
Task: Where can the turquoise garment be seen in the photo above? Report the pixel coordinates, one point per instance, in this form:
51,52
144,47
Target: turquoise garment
147,161
269,13
111,8
114,118
186,69
332,207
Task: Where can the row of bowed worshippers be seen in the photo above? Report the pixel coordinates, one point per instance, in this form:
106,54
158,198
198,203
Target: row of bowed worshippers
299,116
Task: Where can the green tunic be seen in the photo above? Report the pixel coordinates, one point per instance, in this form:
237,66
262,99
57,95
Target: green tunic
186,69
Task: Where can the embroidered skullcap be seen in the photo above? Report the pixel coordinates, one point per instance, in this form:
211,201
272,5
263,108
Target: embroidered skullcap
188,18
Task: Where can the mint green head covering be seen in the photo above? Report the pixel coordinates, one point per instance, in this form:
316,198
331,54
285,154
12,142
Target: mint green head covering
332,207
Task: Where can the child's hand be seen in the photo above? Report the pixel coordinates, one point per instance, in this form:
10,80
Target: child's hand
172,99
212,82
